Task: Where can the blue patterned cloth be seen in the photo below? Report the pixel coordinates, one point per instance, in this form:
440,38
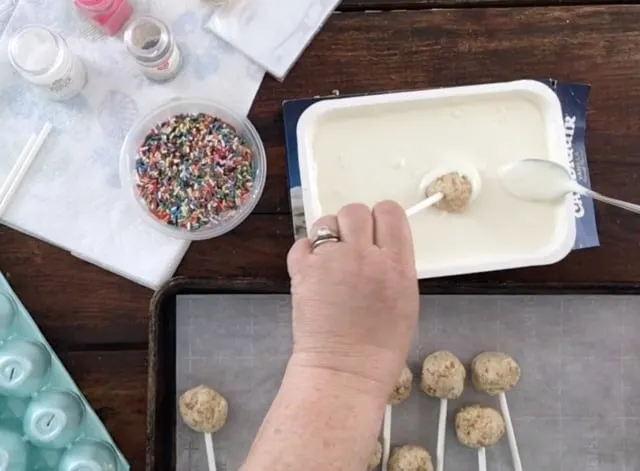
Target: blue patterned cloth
72,195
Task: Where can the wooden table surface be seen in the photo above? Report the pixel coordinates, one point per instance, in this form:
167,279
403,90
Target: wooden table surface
98,321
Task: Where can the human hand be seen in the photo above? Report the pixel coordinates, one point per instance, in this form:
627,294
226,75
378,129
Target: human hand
355,302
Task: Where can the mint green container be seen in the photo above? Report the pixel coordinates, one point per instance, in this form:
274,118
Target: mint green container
45,421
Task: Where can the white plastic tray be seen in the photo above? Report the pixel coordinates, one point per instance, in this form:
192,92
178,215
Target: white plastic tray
545,100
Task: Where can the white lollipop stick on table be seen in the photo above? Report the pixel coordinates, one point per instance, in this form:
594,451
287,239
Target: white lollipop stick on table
482,459
386,437
22,165
211,455
442,432
5,194
511,436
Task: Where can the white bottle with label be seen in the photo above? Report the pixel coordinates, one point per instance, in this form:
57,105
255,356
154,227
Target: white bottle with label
43,58
154,48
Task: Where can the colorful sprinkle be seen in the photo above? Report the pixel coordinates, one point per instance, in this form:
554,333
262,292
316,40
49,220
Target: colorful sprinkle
194,170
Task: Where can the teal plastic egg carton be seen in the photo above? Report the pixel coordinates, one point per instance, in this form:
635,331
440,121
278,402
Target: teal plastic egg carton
45,421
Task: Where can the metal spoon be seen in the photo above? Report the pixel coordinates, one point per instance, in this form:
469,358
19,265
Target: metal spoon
462,168
544,180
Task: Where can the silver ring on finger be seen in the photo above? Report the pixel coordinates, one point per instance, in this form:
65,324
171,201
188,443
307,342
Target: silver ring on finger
323,235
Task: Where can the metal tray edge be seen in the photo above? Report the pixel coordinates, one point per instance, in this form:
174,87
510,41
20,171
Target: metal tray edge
163,298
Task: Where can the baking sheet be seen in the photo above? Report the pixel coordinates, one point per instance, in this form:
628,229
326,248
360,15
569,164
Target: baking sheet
575,409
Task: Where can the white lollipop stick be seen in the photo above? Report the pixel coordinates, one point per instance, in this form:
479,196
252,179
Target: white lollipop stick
442,428
386,437
482,459
424,204
24,153
211,455
19,170
511,436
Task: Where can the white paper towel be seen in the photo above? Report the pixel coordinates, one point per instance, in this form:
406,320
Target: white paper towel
272,33
71,196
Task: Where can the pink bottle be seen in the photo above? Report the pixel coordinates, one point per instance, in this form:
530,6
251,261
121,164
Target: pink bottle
111,15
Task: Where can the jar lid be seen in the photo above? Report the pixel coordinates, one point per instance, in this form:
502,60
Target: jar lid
35,50
147,39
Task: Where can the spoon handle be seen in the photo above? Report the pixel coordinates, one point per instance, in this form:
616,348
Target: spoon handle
424,204
634,208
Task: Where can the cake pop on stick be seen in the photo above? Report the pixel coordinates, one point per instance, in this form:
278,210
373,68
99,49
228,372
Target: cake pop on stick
479,427
410,458
376,457
450,187
443,377
401,391
496,373
204,410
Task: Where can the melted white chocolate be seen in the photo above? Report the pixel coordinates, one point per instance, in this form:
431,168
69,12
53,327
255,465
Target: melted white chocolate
369,154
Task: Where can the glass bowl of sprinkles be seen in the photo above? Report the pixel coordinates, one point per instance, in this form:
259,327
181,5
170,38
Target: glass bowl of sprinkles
195,169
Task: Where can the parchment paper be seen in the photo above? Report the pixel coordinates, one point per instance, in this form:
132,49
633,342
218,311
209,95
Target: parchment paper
575,409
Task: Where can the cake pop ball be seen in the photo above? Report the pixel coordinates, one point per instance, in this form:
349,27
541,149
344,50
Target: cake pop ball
450,187
479,426
376,457
204,409
410,458
494,373
402,390
456,190
443,375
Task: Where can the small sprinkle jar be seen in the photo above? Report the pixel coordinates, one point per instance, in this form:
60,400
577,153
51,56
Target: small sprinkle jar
42,57
154,48
193,169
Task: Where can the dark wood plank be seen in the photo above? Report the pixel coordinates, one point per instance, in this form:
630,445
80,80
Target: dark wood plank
258,250
115,384
355,5
110,310
73,302
362,5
